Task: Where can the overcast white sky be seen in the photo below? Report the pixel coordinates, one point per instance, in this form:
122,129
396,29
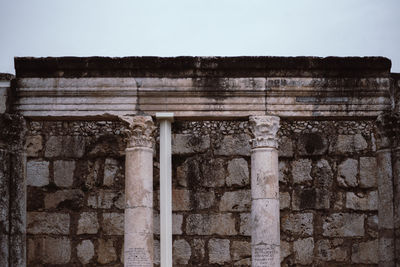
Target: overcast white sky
199,28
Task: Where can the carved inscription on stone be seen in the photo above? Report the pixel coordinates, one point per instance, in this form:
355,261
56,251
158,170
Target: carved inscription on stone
265,255
137,257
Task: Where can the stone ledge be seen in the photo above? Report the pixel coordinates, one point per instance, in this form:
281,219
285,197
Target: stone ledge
68,67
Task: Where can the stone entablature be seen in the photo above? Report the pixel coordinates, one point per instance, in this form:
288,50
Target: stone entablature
196,87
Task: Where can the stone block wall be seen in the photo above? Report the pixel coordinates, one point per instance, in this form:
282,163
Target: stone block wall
328,192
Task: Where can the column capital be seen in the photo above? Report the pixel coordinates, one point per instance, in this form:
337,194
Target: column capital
141,129
264,129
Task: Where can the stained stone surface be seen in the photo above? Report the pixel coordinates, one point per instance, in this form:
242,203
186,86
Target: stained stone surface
327,198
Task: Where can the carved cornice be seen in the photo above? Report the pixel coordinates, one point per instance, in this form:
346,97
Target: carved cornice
141,129
264,129
387,130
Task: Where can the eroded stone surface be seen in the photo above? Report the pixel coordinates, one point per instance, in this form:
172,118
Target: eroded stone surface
301,171
236,201
181,252
238,172
106,252
303,250
88,223
64,173
113,223
347,173
48,223
37,173
219,251
208,224
368,173
365,252
85,251
343,225
361,201
298,224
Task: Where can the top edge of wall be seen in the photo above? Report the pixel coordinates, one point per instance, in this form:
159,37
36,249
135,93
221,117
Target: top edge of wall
201,67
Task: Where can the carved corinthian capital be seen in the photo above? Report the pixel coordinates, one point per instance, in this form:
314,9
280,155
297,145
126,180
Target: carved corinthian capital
140,132
264,129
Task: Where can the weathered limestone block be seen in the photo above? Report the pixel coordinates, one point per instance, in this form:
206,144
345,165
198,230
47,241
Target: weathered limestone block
239,200
213,173
332,250
37,173
181,200
181,252
301,171
372,225
219,251
298,224
106,252
209,224
286,250
56,250
343,225
48,223
65,146
33,145
368,172
349,144
347,173
245,224
312,144
244,262
183,144
198,250
106,199
360,201
285,147
234,145
365,252
240,250
111,168
113,223
88,223
85,251
64,173
72,198
284,171
284,200
238,172
304,251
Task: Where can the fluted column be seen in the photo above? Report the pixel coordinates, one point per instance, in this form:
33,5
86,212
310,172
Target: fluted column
265,235
138,237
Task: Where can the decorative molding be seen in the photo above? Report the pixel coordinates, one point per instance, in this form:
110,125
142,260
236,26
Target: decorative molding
202,98
264,129
141,129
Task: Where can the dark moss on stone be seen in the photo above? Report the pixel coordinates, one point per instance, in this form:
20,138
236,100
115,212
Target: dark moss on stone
202,67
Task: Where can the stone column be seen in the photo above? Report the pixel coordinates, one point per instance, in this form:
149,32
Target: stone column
138,239
385,191
265,233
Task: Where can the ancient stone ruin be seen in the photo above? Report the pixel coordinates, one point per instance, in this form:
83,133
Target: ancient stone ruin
275,161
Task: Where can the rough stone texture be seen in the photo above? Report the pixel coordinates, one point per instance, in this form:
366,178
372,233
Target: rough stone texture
56,250
303,250
349,144
236,201
48,223
360,201
334,250
365,252
106,251
85,251
34,144
368,172
298,224
347,173
181,252
301,170
207,197
37,173
312,144
189,144
219,251
64,173
67,146
88,223
234,145
343,225
238,172
208,224
240,250
113,223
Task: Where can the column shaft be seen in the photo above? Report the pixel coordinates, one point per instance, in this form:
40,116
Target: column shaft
138,239
265,236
